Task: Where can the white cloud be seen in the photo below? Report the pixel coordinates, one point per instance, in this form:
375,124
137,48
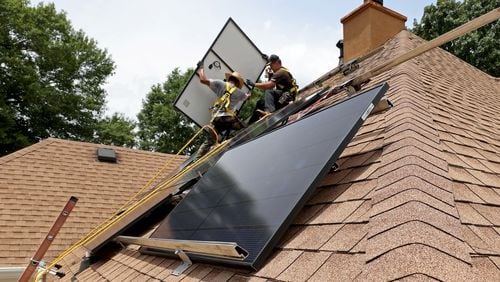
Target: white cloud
268,24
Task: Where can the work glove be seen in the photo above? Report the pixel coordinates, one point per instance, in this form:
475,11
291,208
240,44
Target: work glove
199,65
250,83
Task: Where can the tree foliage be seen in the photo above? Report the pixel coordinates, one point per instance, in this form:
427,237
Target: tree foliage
478,48
161,127
248,107
51,77
116,130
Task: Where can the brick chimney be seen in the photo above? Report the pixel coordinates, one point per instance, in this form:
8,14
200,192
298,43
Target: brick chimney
368,27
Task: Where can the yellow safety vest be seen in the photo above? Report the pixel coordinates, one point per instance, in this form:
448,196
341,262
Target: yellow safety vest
224,101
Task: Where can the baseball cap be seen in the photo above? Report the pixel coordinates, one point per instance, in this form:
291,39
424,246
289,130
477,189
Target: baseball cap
273,58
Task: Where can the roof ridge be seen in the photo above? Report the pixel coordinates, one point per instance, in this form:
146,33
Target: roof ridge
410,159
420,172
416,259
414,220
50,140
406,190
417,243
27,150
404,197
407,203
443,51
110,146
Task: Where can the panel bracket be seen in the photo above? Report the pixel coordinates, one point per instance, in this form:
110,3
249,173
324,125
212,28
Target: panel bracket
226,250
186,262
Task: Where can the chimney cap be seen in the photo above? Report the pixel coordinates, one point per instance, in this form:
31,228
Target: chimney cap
375,5
381,2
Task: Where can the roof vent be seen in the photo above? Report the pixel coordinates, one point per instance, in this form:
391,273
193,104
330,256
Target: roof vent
106,155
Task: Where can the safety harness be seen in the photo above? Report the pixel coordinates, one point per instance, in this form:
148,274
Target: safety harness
223,103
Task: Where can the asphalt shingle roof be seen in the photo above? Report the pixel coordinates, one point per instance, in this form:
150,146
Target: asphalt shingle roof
416,196
37,181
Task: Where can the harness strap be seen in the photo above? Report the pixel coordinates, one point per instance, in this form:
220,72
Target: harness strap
224,101
295,88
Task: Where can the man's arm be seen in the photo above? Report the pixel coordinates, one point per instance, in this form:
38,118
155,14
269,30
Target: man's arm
261,85
265,85
201,74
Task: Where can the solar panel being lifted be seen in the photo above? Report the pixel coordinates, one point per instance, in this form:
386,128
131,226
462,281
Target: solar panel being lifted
255,190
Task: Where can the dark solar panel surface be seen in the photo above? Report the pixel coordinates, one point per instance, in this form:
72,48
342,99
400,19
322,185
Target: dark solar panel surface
255,190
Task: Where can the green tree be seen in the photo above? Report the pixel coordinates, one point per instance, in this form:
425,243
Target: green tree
247,110
51,77
478,48
161,127
116,130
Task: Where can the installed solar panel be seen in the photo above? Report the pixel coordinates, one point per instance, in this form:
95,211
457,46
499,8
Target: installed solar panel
276,118
255,190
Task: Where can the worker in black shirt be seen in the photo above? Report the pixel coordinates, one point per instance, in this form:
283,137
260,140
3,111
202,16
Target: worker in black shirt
280,90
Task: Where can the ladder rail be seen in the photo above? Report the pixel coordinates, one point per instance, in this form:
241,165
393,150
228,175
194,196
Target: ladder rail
47,241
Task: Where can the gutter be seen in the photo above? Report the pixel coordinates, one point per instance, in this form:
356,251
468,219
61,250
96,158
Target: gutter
10,273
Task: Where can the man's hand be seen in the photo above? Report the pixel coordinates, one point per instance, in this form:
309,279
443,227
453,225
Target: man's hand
269,72
199,65
250,83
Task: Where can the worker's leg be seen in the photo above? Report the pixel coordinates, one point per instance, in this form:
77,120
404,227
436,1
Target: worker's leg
271,98
223,125
211,139
256,116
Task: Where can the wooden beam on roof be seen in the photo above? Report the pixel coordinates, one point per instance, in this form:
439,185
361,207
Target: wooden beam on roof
438,41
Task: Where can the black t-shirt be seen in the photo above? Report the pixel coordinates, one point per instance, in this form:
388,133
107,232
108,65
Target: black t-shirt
283,80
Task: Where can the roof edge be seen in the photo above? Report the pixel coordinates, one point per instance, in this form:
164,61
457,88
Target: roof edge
115,147
26,150
50,140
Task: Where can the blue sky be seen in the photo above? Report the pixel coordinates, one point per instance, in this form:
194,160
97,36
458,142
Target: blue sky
147,39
